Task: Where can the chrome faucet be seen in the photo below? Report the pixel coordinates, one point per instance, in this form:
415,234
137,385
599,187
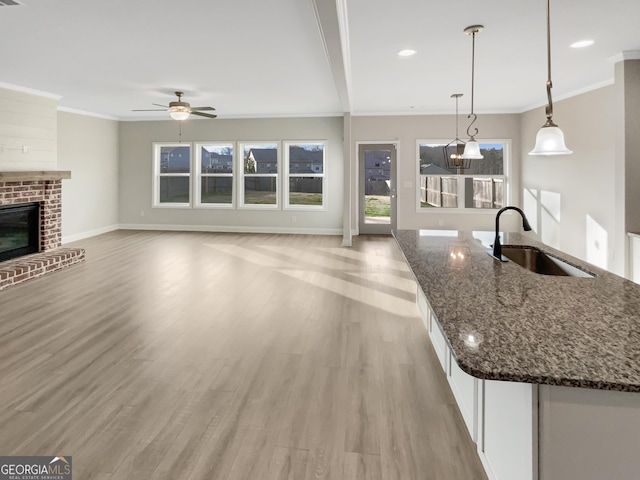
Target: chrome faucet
497,248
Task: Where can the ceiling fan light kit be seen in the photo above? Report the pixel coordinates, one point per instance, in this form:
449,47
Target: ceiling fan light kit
550,139
179,114
179,110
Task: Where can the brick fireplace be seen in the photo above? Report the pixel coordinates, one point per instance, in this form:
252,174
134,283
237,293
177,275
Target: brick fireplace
45,188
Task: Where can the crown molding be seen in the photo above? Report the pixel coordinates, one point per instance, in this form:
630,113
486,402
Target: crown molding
626,55
86,114
30,91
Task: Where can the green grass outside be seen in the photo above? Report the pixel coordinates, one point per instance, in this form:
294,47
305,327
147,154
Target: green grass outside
377,206
217,197
302,198
251,198
260,198
175,199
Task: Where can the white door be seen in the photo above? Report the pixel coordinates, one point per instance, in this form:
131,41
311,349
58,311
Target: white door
377,175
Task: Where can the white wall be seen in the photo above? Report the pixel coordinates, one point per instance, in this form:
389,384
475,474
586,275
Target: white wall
27,120
405,131
572,198
136,173
88,147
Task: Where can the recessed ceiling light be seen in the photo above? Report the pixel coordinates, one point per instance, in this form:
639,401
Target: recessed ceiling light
407,53
582,44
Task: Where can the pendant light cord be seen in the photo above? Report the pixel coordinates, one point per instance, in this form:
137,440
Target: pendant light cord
456,116
473,75
473,68
549,107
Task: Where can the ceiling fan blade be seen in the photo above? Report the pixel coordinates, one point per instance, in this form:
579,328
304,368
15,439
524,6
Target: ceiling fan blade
156,110
200,114
158,105
202,108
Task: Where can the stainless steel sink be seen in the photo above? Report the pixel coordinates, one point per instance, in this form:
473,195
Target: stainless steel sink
537,261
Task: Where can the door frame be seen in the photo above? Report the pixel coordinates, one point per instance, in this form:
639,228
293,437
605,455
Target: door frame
376,229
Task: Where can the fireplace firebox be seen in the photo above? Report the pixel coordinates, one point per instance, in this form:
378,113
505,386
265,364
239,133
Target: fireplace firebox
19,230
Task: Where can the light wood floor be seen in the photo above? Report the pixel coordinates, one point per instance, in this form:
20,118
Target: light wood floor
227,356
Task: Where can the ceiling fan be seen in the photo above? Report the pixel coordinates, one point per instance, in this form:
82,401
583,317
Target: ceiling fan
181,110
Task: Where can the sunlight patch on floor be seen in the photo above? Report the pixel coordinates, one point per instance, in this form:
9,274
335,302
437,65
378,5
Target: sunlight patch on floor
373,297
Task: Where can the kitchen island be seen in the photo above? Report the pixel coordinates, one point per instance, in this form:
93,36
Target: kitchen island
545,369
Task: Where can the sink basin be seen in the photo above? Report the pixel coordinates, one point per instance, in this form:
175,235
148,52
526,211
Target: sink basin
537,261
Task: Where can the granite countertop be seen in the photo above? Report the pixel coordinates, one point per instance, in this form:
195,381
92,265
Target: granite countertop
504,322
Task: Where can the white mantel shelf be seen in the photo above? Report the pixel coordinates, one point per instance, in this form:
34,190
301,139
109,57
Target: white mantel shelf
26,176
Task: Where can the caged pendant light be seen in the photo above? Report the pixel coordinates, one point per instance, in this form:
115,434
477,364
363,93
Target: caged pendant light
472,148
455,159
550,139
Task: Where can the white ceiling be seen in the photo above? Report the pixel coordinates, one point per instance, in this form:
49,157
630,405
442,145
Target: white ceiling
256,58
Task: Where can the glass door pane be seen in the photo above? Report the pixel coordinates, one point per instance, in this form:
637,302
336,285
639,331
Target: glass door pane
377,187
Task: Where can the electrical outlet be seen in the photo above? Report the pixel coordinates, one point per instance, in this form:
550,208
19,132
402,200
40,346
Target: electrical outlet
142,213
293,219
25,148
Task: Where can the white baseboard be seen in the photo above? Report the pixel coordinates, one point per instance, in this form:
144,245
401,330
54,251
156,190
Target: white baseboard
90,233
232,229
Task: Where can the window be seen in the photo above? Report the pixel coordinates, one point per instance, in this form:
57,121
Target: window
172,175
214,174
304,172
482,186
248,175
259,179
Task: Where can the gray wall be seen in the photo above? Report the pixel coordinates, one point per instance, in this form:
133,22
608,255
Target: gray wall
405,131
136,174
571,200
88,147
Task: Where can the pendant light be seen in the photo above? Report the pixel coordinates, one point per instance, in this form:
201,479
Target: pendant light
550,139
472,148
455,159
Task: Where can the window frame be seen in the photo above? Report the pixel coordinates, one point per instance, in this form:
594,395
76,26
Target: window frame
197,195
157,175
287,175
506,177
240,145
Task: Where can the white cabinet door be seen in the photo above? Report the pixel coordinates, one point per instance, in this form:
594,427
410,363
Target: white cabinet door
465,390
439,343
508,443
424,307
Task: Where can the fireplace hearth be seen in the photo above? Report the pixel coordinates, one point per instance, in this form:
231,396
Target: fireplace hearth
44,190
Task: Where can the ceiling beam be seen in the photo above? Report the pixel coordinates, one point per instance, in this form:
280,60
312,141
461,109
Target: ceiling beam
331,16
